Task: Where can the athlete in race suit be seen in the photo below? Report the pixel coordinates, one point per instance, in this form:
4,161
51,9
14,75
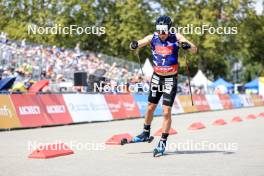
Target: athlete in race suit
164,48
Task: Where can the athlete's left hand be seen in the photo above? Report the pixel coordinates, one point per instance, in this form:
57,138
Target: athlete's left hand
185,45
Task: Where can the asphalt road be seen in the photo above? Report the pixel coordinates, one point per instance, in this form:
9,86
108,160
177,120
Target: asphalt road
233,149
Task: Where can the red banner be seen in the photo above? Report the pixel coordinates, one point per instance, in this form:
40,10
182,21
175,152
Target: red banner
226,101
29,111
55,109
122,106
130,105
201,103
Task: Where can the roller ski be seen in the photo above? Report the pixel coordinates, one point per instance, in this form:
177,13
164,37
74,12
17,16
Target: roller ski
160,149
158,152
140,138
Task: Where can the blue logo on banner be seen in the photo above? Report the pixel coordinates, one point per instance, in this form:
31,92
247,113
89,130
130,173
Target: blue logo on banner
142,102
235,100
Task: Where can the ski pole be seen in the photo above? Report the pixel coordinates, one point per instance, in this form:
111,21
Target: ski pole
188,74
137,54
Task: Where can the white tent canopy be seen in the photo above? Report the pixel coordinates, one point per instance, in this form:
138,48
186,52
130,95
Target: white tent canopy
200,80
147,68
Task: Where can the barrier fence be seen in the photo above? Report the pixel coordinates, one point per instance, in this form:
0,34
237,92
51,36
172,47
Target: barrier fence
36,110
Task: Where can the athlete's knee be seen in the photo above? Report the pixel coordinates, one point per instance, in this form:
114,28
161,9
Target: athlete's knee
151,107
167,112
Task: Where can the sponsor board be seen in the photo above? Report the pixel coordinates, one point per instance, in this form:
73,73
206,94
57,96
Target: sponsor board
186,103
246,100
257,100
214,102
29,111
236,101
55,108
177,108
201,103
87,107
226,101
122,106
8,117
142,103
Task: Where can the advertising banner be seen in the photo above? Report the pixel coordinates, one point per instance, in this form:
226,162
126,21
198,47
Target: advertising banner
115,106
55,108
177,108
236,101
87,107
214,102
186,103
226,101
257,100
29,111
246,100
201,103
8,117
142,103
130,105
122,106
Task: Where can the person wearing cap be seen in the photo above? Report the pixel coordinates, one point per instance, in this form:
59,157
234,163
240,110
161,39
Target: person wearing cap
164,48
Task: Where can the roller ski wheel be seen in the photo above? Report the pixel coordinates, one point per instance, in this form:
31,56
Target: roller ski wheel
123,141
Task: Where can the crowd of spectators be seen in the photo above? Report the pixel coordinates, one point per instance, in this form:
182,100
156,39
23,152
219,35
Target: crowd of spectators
57,64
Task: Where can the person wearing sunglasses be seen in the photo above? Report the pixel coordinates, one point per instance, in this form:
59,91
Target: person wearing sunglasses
164,48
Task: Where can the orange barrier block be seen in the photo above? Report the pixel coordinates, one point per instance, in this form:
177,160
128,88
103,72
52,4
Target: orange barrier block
237,119
219,122
116,139
196,126
51,151
261,115
251,117
159,132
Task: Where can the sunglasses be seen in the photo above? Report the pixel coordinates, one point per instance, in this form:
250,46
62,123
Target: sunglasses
162,29
162,32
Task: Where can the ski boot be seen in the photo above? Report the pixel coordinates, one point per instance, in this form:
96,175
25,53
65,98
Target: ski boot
142,138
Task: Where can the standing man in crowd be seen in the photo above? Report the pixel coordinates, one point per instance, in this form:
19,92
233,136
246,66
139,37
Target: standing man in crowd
164,47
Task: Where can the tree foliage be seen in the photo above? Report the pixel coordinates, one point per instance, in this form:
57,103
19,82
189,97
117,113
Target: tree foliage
127,20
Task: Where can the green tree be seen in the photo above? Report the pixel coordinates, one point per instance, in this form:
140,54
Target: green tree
124,21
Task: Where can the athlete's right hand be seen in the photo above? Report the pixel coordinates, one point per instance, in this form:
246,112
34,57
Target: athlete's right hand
133,45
